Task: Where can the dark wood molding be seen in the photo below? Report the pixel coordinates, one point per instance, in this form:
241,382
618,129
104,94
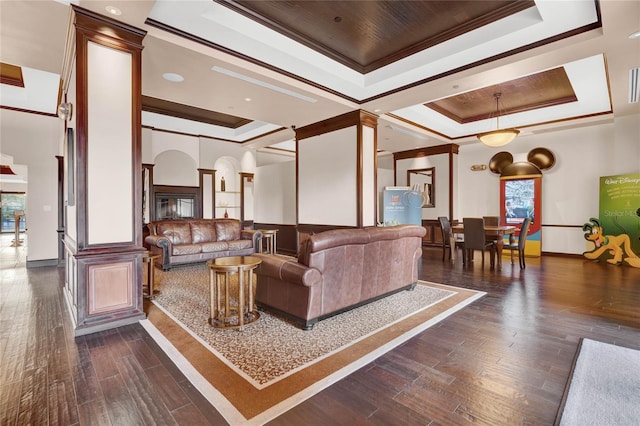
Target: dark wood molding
151,196
549,40
188,112
212,138
349,119
393,21
540,90
359,119
200,196
125,36
11,75
29,111
450,148
104,31
62,222
243,175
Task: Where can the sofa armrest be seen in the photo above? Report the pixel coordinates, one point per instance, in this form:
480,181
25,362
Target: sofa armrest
286,269
164,245
252,234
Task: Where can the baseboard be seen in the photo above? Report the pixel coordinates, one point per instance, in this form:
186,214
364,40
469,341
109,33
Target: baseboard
41,263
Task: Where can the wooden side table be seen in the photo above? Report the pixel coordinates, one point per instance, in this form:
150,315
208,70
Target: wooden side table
270,236
223,312
150,260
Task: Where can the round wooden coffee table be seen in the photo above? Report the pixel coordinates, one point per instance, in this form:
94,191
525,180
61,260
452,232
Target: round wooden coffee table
224,313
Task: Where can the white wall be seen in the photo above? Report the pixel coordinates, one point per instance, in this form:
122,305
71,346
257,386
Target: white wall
210,150
33,140
570,190
275,193
327,178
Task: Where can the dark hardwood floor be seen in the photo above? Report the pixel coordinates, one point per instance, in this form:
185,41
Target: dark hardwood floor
504,360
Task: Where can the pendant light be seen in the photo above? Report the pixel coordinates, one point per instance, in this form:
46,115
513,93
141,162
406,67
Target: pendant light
498,137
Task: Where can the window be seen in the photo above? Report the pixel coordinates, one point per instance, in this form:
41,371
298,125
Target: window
11,202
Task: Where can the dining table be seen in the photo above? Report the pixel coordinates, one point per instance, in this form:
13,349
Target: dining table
493,232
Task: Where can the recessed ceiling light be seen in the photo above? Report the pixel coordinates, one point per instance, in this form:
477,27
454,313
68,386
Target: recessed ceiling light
634,35
113,10
247,99
173,77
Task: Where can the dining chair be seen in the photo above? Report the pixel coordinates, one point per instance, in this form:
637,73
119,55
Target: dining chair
520,244
491,220
448,237
475,239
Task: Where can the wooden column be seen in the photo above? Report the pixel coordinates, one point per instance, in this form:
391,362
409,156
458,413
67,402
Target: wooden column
104,248
336,165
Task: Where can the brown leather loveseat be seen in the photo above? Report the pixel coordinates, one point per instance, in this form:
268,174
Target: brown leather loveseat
339,270
198,240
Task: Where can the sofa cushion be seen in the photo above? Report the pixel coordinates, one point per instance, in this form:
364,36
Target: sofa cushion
202,232
214,246
240,244
176,232
228,230
186,249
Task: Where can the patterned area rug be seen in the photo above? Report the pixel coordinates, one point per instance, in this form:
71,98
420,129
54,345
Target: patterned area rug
273,363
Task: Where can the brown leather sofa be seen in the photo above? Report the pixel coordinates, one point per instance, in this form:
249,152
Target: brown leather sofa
186,241
339,270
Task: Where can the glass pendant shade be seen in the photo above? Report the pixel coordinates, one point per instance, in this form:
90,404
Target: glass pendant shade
498,137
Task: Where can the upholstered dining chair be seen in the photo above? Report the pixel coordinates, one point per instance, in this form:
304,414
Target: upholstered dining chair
474,239
447,237
519,245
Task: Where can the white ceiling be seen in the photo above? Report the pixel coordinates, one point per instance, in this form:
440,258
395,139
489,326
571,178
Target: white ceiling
597,62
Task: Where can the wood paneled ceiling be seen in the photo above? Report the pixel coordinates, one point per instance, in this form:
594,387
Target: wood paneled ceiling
534,91
11,74
367,35
173,109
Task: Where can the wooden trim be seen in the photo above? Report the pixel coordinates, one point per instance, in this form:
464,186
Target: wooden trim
243,175
174,132
569,255
506,10
172,30
92,23
200,193
449,149
358,119
11,75
451,181
29,111
549,40
62,222
353,118
104,31
426,151
521,49
317,228
151,195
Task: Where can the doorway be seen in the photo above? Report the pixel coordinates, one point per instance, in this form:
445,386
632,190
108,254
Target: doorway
12,208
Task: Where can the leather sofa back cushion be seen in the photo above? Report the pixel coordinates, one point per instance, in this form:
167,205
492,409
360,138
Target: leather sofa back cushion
228,230
176,232
203,232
